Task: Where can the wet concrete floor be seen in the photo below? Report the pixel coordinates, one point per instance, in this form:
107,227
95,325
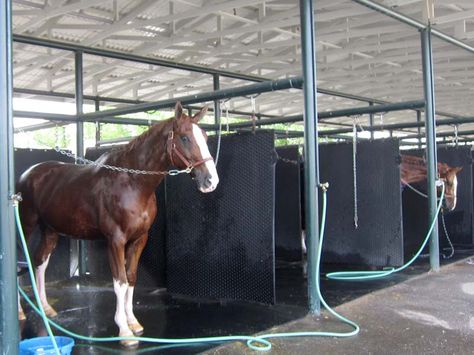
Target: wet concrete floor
86,307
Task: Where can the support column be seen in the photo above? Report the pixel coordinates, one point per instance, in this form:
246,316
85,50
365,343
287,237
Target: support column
430,131
308,52
9,332
79,92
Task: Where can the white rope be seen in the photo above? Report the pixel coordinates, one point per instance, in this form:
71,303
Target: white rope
219,136
442,222
447,238
456,138
354,170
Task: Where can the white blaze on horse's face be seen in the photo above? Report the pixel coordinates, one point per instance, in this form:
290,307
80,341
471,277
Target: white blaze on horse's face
212,179
455,189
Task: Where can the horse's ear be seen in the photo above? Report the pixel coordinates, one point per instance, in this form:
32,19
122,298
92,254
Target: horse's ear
457,169
200,114
178,110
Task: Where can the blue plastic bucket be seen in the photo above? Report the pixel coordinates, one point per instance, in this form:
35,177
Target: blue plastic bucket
44,345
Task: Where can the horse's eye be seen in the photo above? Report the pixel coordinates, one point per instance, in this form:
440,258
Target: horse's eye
185,139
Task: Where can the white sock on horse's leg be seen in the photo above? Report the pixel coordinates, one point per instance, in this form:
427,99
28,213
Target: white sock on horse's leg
21,314
41,285
120,314
132,321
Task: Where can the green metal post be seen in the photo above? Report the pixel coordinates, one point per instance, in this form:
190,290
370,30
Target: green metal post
308,52
430,128
79,91
9,332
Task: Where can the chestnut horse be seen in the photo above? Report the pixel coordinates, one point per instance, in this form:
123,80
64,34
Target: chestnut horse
92,202
413,171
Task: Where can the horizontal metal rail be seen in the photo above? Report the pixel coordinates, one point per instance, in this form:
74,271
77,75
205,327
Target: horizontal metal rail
413,23
257,88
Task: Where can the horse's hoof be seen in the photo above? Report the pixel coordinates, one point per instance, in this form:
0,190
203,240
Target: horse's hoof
49,311
129,343
136,328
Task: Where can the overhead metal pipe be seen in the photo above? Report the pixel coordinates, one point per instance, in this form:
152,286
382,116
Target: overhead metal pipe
9,332
413,23
72,96
311,172
408,105
430,131
265,86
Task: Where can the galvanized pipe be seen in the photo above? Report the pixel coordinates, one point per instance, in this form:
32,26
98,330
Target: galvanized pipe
72,96
430,131
79,92
265,86
408,105
308,53
9,332
413,23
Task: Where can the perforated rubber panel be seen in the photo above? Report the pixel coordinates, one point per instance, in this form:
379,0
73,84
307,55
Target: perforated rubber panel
458,222
221,244
378,240
288,205
60,262
151,268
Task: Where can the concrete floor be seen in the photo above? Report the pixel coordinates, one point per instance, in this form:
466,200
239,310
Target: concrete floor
432,313
413,312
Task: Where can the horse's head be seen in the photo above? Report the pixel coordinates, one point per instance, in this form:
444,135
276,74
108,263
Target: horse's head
187,147
448,176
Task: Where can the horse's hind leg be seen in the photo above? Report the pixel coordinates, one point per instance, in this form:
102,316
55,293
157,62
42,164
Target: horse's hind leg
134,251
117,265
49,240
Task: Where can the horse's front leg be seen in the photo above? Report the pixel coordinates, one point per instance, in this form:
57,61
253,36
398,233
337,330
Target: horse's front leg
117,265
134,251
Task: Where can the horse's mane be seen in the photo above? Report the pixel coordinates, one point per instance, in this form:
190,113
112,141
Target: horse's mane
117,151
414,168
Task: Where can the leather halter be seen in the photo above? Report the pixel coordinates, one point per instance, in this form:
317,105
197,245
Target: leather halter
173,150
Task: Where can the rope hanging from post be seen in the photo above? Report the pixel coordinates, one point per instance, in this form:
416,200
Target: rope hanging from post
354,170
456,136
252,104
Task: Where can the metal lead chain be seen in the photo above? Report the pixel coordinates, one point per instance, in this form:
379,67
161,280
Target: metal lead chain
115,168
120,169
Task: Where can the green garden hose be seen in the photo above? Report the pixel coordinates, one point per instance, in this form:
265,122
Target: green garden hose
257,342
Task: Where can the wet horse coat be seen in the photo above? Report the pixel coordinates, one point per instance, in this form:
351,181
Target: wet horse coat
92,202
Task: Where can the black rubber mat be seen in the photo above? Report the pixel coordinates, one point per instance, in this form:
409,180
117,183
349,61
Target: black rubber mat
288,205
378,239
221,244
